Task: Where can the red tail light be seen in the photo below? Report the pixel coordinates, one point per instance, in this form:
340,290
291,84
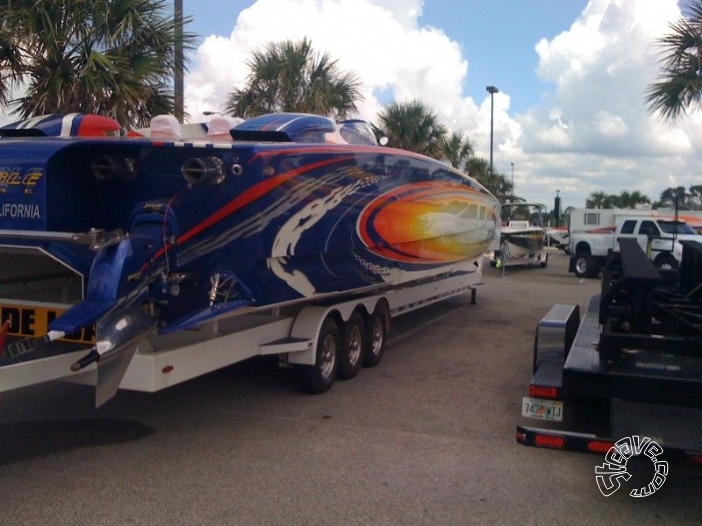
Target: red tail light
550,441
599,446
541,391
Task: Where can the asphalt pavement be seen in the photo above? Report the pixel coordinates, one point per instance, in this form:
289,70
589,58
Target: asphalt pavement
427,437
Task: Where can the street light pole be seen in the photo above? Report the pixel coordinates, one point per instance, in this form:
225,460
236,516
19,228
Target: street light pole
178,92
512,178
491,90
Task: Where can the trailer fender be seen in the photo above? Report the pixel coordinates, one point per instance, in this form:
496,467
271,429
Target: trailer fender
555,334
308,324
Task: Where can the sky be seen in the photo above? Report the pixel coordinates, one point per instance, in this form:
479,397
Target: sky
570,116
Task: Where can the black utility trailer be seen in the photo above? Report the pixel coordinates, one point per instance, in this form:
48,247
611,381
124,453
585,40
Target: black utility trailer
632,366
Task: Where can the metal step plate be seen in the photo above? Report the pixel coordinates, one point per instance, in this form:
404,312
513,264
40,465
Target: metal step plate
671,427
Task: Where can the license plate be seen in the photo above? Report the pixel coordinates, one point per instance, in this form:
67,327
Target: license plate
551,410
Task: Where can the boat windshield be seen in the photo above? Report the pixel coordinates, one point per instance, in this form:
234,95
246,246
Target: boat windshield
357,132
675,227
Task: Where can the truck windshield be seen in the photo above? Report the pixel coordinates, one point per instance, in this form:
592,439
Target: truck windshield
675,227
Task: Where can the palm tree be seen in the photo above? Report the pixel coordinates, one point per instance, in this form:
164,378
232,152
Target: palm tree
496,183
113,57
680,86
669,196
413,126
565,216
477,167
696,196
596,200
11,64
457,149
290,77
631,199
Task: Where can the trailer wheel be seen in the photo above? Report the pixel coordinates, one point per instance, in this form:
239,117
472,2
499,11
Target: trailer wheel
353,345
376,334
544,261
586,266
318,378
666,261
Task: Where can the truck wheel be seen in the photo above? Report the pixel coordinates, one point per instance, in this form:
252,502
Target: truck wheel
376,334
318,378
665,261
585,266
353,344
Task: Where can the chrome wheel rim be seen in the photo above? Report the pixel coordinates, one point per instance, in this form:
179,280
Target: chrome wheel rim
581,265
327,356
354,344
377,336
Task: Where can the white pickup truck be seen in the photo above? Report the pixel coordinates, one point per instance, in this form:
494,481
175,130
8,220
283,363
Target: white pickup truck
593,232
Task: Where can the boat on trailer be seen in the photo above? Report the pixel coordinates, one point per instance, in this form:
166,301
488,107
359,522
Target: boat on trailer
523,236
119,237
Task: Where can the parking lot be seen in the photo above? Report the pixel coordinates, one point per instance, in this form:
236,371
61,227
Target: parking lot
427,437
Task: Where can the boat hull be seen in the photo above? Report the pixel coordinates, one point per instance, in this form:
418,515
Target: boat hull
205,229
525,242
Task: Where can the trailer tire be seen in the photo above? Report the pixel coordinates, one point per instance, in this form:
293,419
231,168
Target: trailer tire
544,261
353,345
585,266
376,336
665,261
318,378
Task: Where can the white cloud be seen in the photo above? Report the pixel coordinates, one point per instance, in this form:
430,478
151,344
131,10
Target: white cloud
600,68
391,55
593,131
610,126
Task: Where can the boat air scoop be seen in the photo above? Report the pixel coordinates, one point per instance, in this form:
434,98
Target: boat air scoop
199,170
106,167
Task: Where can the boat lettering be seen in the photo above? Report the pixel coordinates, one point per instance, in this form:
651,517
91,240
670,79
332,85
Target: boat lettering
14,177
19,210
32,322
